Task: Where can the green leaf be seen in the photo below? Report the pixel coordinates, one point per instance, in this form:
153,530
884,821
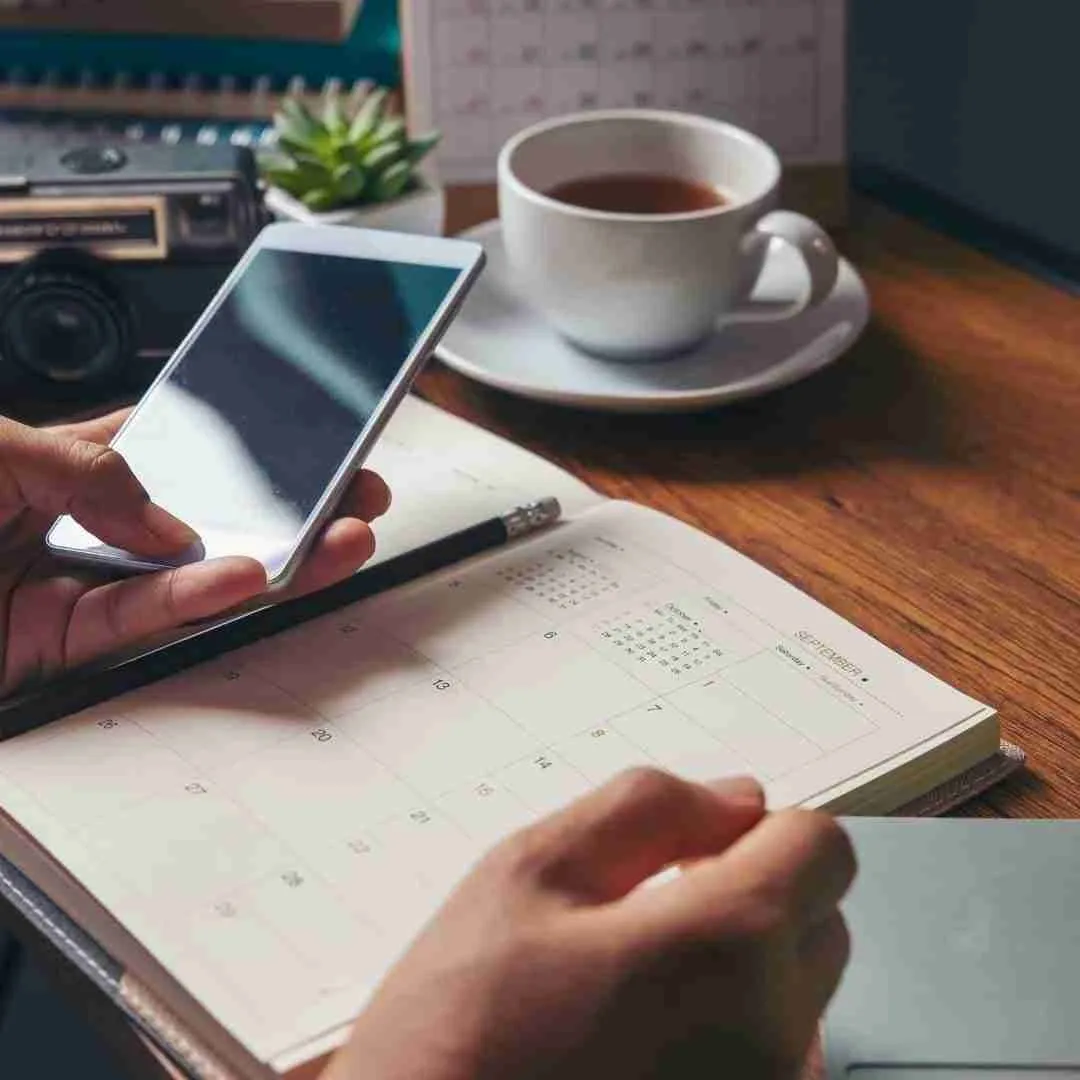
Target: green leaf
312,161
272,159
294,119
299,150
382,157
299,177
289,135
320,200
418,149
368,115
349,182
392,182
334,118
288,180
296,110
352,155
390,130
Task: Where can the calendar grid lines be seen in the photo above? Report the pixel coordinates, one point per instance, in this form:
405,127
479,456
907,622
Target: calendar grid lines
317,715
229,902
778,633
283,941
570,581
611,724
733,61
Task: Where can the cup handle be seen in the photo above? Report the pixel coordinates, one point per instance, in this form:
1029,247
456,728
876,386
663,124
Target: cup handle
818,254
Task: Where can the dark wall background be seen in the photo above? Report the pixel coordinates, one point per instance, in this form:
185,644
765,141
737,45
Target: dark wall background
976,100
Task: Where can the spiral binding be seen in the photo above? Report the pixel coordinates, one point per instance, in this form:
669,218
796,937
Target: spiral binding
166,106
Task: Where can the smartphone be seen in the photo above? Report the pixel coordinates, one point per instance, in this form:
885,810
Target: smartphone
253,429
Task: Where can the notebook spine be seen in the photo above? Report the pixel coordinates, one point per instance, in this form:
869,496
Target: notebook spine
108,976
53,925
968,785
168,1032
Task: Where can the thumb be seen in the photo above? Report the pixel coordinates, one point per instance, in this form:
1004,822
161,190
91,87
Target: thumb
54,474
645,820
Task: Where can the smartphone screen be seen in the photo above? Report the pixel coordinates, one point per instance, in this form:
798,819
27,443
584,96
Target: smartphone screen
245,434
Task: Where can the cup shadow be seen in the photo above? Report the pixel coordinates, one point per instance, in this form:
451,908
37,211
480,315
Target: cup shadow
880,401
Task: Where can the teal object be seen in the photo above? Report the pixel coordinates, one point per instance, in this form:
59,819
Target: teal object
965,960
373,51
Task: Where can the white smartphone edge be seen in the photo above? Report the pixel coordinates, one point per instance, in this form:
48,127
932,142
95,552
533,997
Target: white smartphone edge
465,255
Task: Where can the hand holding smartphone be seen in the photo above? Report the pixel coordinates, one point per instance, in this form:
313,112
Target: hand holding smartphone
253,429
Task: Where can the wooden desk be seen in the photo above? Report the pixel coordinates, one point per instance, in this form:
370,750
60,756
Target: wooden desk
927,486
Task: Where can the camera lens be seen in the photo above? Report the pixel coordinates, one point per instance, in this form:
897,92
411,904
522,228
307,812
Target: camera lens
65,326
63,335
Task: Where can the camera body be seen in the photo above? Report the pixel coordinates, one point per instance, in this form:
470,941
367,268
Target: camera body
109,252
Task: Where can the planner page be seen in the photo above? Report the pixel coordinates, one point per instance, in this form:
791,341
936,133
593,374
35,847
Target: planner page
274,826
447,474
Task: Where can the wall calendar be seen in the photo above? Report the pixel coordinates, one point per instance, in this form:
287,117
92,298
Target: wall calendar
480,70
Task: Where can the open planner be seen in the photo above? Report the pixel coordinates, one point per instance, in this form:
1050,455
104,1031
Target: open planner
246,845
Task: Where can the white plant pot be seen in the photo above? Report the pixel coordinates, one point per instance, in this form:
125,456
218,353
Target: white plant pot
422,212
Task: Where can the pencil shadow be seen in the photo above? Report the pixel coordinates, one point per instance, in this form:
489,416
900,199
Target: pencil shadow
881,401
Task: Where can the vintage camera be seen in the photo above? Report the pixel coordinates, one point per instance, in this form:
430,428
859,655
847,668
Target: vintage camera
108,254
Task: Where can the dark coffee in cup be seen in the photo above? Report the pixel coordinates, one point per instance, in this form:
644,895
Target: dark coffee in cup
639,194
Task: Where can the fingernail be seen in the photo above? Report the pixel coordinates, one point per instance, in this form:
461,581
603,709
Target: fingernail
168,529
741,790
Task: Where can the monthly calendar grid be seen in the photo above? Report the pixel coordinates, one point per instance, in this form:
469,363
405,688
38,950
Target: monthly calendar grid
317,715
522,577
541,706
486,69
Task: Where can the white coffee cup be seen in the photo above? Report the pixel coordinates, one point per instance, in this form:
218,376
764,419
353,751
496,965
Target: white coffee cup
641,286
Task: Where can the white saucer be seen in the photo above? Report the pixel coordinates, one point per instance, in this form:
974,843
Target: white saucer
498,339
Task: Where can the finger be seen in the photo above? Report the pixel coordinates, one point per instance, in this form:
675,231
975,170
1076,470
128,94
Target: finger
823,954
343,548
101,429
791,870
124,613
54,475
737,787
40,606
733,787
366,498
606,844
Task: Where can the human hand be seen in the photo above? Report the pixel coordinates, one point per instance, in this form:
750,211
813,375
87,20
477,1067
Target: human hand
547,962
58,617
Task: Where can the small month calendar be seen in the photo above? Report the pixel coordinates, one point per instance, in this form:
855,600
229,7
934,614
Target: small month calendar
481,70
259,837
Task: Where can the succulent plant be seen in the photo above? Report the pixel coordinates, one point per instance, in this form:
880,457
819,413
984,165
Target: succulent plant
337,160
